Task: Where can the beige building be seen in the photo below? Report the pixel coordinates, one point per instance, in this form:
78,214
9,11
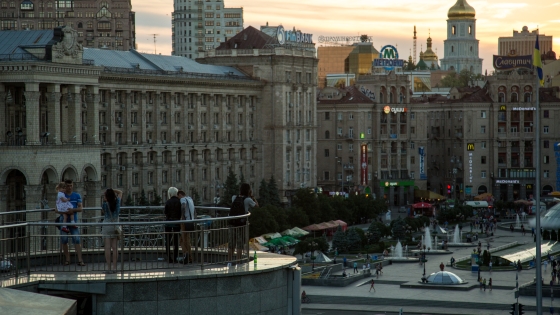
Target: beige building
108,23
523,43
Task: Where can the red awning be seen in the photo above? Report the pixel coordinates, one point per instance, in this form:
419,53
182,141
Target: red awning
421,205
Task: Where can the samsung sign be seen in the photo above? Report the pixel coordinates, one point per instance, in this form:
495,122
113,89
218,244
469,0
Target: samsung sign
292,36
388,59
511,62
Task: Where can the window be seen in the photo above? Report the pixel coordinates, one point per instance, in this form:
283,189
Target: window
546,114
546,159
339,146
339,116
327,153
327,134
483,159
483,114
412,145
482,129
350,116
326,175
546,144
327,116
350,147
339,131
545,129
369,131
482,174
412,115
546,174
412,130
483,145
413,160
453,31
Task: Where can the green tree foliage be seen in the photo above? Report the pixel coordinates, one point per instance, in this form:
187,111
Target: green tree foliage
273,192
353,238
399,231
305,245
143,201
308,202
241,179
340,241
374,234
157,200
129,202
231,188
461,79
261,222
281,217
264,195
297,217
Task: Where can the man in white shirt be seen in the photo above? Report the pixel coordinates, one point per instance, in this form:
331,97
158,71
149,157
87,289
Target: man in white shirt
188,213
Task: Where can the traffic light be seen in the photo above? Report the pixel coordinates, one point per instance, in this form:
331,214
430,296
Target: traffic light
520,309
512,312
448,188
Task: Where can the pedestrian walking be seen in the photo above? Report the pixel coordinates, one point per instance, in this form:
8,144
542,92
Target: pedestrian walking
490,266
545,264
371,287
355,267
490,284
511,227
484,284
441,266
522,230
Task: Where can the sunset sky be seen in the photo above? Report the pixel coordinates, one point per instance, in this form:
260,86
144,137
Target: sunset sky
388,22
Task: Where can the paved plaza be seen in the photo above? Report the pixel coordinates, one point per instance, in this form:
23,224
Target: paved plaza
390,296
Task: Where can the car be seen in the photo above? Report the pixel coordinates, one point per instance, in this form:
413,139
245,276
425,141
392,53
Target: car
402,210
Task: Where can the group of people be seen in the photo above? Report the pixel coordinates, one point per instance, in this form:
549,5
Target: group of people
179,207
482,284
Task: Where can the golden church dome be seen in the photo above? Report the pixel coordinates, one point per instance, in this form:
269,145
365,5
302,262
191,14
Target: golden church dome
429,54
461,10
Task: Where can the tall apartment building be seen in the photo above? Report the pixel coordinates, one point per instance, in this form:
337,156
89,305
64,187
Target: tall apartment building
107,23
523,43
199,26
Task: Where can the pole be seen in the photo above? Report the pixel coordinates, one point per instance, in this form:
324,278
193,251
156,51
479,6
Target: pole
538,198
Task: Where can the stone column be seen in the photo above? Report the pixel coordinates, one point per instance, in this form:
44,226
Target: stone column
33,196
402,195
156,118
32,114
3,119
90,196
53,108
391,196
3,200
522,191
74,115
92,101
509,192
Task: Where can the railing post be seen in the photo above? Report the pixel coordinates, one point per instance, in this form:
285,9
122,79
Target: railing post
17,255
28,252
122,250
202,247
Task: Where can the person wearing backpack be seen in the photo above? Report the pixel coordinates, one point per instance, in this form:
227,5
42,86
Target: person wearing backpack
188,213
240,205
172,212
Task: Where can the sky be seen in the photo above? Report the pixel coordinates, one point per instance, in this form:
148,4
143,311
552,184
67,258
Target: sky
387,22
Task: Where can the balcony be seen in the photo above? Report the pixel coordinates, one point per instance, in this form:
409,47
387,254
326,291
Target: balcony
393,136
403,151
459,135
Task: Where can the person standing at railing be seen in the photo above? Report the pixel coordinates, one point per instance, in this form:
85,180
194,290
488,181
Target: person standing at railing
240,205
172,212
111,209
188,212
62,205
76,201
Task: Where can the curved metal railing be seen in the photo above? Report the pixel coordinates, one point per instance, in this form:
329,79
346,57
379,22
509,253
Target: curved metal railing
32,243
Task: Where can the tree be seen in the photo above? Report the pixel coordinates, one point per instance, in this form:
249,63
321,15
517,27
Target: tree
241,179
340,240
354,239
374,234
273,192
307,201
297,217
143,201
129,202
462,79
262,222
280,216
231,188
399,230
157,200
264,195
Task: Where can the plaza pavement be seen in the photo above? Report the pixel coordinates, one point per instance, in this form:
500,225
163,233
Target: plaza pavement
390,296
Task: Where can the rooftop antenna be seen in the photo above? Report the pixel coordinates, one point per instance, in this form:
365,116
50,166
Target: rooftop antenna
414,45
155,50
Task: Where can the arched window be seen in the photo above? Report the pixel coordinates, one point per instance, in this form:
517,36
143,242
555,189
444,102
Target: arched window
471,48
453,30
527,97
327,134
391,99
452,49
501,97
470,29
514,98
89,25
80,25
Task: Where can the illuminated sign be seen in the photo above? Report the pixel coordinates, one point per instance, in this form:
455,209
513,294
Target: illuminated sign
422,154
503,108
523,108
394,110
363,160
471,166
284,37
388,58
511,62
507,181
470,146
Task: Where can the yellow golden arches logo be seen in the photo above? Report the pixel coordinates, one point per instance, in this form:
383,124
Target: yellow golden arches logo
386,109
470,146
503,108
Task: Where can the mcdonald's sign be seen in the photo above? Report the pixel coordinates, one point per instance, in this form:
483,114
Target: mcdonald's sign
470,146
503,108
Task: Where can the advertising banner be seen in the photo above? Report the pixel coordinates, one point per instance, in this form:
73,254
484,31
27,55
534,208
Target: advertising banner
422,154
363,163
511,62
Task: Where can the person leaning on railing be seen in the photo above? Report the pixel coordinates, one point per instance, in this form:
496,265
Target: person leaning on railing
188,212
111,209
236,237
76,200
172,212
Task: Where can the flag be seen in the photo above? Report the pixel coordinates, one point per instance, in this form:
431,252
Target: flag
537,63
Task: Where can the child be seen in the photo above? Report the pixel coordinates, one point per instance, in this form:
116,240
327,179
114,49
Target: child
63,204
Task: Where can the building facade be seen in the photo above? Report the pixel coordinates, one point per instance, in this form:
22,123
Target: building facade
199,26
461,45
141,124
523,43
109,24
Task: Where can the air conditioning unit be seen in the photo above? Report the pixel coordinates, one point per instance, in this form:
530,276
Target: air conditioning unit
104,104
149,141
151,101
190,126
122,105
84,105
135,142
105,128
291,105
83,127
163,141
121,125
123,168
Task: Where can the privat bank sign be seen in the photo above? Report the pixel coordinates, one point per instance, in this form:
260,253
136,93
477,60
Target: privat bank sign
292,36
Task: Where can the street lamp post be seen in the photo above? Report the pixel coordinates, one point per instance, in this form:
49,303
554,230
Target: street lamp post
424,262
455,163
313,244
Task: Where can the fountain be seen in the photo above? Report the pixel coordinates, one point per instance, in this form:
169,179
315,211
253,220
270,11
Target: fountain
435,243
427,238
397,254
517,222
456,235
398,250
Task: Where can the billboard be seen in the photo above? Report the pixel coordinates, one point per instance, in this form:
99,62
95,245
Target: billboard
512,62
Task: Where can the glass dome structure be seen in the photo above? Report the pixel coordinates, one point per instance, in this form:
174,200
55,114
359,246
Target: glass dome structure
444,277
